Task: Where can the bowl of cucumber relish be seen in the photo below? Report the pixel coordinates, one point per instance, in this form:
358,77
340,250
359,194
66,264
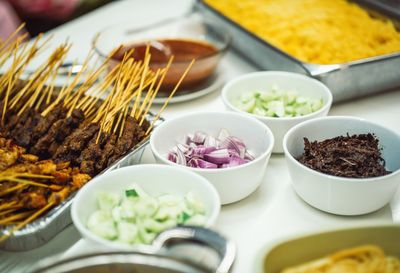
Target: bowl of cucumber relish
279,99
129,207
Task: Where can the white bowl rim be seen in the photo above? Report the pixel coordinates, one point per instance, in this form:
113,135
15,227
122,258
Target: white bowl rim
270,136
337,178
270,245
249,76
117,245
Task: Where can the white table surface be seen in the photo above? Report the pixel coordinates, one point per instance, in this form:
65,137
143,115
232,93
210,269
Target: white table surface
274,210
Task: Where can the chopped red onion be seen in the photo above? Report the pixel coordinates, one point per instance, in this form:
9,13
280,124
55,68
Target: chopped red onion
223,134
207,152
189,139
218,156
183,148
200,151
199,138
181,159
200,163
210,141
248,156
172,157
236,161
235,144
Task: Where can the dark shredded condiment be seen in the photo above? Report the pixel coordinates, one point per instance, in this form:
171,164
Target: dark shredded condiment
356,156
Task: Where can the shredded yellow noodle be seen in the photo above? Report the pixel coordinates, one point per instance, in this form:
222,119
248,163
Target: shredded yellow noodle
314,31
363,259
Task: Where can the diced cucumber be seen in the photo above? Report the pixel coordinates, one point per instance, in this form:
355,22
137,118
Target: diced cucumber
106,200
145,236
127,232
145,207
137,217
168,212
101,223
127,210
152,225
277,103
194,203
196,220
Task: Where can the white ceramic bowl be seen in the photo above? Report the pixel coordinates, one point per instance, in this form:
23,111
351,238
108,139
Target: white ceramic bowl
338,195
264,81
155,180
232,184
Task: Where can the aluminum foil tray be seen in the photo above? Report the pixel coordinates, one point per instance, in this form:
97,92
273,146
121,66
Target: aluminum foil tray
46,227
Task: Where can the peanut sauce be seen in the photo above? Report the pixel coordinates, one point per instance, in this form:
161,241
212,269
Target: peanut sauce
183,51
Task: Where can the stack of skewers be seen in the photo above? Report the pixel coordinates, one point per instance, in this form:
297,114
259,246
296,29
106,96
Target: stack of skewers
53,140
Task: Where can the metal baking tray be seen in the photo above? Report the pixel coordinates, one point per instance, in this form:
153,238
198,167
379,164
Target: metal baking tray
46,227
346,81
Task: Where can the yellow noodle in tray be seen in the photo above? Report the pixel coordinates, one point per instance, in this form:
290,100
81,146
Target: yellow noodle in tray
362,259
315,31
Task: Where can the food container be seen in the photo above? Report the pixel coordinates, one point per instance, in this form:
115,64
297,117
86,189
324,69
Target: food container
233,183
154,180
178,250
341,195
346,80
191,28
264,81
49,225
290,252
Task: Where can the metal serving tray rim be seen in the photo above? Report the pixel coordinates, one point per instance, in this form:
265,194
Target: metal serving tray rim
313,69
43,221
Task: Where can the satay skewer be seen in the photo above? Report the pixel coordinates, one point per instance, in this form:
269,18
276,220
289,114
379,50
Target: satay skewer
10,38
163,74
12,189
8,205
14,217
26,221
148,95
146,63
170,97
56,61
33,183
5,212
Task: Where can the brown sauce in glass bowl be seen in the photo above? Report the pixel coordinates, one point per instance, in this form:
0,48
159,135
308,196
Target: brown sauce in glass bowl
162,50
183,51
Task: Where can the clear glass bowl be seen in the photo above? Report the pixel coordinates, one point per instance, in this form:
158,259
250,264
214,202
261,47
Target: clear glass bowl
192,28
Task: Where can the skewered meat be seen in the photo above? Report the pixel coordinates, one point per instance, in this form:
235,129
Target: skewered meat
19,124
9,154
45,123
45,167
106,153
75,142
131,136
34,199
23,133
58,132
92,154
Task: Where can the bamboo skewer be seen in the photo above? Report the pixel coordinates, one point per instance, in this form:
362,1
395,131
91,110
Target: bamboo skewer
146,66
12,189
170,96
157,89
6,212
26,221
29,182
8,205
14,217
4,43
